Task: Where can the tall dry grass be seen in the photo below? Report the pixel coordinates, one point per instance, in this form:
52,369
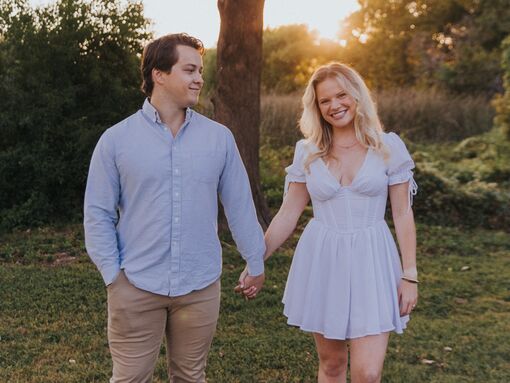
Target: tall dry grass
434,116
279,118
422,116
429,116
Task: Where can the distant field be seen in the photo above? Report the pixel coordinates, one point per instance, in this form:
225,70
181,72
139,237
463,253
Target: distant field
53,315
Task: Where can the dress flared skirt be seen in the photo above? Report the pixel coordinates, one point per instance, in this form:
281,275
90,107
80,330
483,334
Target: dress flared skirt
343,285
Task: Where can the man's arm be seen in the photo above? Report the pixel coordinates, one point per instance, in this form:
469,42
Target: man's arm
100,210
235,194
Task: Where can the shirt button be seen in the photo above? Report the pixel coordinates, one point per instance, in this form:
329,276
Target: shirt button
176,219
177,194
176,171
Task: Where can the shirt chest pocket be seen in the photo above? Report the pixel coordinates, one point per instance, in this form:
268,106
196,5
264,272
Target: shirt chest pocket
207,165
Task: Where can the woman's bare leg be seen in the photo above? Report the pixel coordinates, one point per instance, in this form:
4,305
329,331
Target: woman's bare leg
367,358
332,359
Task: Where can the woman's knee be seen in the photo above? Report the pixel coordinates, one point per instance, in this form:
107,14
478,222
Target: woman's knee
333,365
366,375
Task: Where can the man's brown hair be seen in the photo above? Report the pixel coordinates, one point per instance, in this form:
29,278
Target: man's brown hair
162,54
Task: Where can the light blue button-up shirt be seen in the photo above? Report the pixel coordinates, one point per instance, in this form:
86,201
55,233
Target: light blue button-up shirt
151,203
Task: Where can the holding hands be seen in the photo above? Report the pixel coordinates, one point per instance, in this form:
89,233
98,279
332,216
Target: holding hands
249,285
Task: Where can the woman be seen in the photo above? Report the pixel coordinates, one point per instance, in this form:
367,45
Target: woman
346,283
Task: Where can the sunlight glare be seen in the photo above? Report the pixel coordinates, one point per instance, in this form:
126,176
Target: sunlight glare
201,18
324,16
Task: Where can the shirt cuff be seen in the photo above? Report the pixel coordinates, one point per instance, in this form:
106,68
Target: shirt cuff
255,268
109,273
256,262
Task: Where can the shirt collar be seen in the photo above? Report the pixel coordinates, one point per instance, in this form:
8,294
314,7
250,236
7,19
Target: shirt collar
150,111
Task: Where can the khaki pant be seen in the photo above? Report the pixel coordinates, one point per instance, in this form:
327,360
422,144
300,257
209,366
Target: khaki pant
137,320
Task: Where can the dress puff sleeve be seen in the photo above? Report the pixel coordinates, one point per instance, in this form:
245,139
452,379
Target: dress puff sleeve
296,171
400,165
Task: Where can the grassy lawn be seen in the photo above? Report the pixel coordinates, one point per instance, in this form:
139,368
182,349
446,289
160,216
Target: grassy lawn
53,315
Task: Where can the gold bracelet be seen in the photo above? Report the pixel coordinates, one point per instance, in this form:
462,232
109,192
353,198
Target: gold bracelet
410,279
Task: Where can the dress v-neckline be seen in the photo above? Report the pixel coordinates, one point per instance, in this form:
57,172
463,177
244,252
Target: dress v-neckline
338,181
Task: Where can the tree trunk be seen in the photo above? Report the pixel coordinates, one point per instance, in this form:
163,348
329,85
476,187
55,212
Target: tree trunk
237,98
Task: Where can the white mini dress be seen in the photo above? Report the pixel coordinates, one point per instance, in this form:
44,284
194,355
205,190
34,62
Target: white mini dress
346,268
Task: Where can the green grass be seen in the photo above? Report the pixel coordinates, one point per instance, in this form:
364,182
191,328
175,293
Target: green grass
53,315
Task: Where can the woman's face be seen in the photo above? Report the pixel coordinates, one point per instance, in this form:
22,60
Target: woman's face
336,106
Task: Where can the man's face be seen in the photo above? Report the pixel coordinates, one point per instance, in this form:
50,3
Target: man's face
183,84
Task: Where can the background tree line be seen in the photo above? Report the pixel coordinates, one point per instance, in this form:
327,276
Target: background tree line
69,70
453,45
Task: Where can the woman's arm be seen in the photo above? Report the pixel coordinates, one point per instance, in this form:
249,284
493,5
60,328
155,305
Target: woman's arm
403,219
281,227
285,221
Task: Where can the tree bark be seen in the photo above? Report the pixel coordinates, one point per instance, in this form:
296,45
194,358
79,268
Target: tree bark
237,98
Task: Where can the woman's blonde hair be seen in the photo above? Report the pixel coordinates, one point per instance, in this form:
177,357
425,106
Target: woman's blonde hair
366,121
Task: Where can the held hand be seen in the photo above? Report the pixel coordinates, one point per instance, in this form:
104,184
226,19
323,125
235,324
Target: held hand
240,284
407,296
252,285
248,285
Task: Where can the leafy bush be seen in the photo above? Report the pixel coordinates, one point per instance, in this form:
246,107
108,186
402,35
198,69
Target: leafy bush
68,71
440,202
463,185
502,102
272,172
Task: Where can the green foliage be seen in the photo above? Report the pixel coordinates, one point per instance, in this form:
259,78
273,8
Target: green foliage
502,102
67,72
465,184
451,44
70,70
473,70
461,323
284,49
448,44
272,172
441,202
290,55
209,73
462,183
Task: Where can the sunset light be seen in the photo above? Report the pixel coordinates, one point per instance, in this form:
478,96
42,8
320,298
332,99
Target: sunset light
201,18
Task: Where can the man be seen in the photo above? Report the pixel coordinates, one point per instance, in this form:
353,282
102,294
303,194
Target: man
151,219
